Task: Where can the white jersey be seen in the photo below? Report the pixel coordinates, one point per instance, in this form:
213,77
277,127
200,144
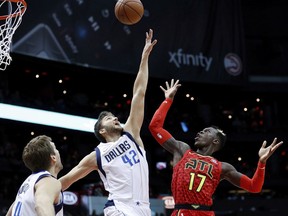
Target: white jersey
24,204
123,168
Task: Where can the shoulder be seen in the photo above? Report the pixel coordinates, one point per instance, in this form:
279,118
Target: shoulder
90,157
133,138
227,168
48,181
41,175
89,160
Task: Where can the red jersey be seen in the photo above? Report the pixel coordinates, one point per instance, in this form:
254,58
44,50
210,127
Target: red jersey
195,179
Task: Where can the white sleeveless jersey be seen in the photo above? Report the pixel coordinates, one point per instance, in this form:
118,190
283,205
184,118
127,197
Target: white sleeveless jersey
24,204
123,168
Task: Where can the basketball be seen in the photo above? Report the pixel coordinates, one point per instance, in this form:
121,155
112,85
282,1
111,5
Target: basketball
129,12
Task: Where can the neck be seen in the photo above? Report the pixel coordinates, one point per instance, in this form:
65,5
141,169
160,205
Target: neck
113,137
53,172
206,151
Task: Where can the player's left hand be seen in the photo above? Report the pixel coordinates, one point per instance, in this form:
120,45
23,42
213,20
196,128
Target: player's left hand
266,152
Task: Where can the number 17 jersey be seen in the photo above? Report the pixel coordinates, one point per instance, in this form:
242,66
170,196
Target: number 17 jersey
195,179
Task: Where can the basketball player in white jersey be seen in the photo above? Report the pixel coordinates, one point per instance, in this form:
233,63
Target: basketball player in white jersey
120,158
41,193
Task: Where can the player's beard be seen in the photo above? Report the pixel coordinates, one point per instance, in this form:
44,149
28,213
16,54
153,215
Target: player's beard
114,129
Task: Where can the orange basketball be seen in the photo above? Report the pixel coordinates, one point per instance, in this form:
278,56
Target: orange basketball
129,12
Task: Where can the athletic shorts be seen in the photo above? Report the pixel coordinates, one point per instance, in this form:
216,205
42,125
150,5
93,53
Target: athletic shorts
117,208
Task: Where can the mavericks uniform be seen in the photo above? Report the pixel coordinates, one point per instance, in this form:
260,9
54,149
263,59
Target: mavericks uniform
24,204
201,176
123,168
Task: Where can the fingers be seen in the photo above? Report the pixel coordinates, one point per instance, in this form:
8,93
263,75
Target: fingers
276,146
149,34
274,143
264,144
167,85
154,42
172,84
177,81
272,148
177,85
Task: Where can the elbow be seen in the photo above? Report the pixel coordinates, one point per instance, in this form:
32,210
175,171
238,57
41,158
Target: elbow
152,127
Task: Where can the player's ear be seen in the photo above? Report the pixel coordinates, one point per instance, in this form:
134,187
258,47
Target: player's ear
216,141
102,131
53,157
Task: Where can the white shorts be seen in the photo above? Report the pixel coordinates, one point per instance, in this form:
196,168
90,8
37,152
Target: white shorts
131,209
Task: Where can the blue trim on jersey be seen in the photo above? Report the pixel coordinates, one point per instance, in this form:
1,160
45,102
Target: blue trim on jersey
131,137
109,203
99,162
42,176
59,206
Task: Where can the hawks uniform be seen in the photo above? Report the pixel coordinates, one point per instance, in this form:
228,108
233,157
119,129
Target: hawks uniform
123,168
24,204
200,176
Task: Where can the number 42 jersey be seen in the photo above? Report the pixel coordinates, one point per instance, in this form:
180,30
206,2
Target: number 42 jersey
123,168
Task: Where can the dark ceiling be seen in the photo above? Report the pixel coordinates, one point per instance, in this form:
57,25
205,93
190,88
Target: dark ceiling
265,24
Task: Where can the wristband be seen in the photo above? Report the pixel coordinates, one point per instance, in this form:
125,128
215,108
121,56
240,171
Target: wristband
261,165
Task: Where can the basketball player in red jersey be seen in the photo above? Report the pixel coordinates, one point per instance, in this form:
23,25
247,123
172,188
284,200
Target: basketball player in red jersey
196,174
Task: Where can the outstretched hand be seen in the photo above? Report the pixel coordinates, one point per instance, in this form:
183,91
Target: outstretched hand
149,44
171,89
266,152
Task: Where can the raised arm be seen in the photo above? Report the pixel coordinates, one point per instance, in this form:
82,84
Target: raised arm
162,136
136,116
254,184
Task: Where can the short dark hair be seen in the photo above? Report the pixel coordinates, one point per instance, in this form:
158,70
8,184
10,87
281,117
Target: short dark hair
36,154
222,136
98,126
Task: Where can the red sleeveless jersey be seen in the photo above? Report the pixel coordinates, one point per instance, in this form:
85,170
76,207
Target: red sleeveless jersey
195,179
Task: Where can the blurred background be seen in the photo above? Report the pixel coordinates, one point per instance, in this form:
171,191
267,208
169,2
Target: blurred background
231,56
